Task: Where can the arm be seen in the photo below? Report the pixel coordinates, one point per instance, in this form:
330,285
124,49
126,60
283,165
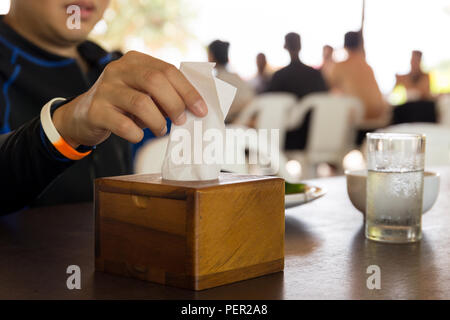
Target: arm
425,87
28,163
400,80
132,93
332,77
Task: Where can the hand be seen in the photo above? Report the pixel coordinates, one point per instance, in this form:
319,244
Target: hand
132,93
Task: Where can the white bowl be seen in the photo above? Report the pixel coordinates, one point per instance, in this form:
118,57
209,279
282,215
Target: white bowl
356,189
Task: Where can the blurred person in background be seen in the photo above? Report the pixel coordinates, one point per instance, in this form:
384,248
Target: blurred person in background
419,105
296,77
218,53
262,78
299,79
327,61
416,82
356,78
55,158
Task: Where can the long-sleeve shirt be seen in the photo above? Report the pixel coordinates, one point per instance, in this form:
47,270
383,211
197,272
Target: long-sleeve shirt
29,163
29,78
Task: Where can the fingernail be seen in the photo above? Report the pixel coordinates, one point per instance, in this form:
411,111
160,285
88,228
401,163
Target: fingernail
200,107
163,131
181,119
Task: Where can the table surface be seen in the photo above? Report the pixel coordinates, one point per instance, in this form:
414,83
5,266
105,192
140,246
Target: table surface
326,256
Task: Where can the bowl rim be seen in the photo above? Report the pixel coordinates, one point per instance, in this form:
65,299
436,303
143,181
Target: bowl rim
363,173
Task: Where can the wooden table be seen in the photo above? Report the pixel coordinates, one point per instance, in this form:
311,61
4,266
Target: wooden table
326,256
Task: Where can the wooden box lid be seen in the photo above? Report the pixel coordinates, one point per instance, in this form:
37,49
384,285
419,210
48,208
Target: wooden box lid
149,184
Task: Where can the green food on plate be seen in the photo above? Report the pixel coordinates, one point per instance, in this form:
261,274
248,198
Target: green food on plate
290,188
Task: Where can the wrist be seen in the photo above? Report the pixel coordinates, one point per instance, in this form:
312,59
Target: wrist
53,133
62,124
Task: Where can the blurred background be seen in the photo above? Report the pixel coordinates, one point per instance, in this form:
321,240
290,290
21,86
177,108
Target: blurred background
182,30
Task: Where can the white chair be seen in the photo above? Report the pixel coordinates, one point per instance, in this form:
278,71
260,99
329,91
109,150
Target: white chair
443,109
329,137
437,148
272,111
332,129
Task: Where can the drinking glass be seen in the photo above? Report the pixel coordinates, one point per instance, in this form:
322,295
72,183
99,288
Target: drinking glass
394,187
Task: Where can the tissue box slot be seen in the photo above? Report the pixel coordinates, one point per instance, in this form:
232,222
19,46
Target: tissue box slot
166,215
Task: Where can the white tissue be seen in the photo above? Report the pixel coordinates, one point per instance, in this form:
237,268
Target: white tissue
218,96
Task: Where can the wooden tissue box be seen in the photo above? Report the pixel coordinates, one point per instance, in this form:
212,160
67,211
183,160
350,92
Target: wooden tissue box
194,235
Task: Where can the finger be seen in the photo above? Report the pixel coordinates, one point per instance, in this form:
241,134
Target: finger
141,108
186,90
156,84
182,86
119,124
138,121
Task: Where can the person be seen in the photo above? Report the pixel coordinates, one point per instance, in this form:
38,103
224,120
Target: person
356,78
262,78
299,79
218,53
416,82
327,62
52,155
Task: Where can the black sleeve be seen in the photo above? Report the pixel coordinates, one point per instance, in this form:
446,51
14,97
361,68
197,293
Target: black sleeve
28,164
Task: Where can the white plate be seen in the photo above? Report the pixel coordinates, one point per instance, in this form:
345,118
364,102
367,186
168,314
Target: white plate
295,199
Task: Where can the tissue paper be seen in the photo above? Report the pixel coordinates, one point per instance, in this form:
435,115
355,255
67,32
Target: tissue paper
195,149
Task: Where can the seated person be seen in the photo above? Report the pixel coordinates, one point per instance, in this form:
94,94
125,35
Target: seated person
416,82
262,78
296,77
355,77
218,53
55,160
419,106
299,79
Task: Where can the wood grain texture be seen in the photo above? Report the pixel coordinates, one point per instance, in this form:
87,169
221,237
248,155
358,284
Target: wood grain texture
166,215
326,256
194,235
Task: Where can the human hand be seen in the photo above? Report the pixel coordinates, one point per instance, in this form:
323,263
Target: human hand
134,92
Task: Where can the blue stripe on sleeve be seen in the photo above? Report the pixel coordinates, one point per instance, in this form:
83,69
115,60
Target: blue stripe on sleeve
6,128
33,59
